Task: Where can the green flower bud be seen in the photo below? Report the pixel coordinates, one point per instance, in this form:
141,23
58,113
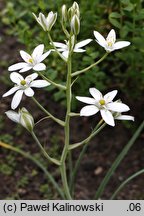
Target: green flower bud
26,119
71,13
64,13
75,6
75,25
77,12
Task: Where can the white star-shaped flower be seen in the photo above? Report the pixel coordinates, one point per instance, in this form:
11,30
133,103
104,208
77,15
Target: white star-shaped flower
110,44
32,61
101,103
64,48
24,86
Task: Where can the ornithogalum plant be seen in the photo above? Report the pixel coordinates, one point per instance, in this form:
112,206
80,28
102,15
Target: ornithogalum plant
109,109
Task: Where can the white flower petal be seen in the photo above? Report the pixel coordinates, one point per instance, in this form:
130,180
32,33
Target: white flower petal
11,91
110,96
89,110
39,67
38,51
111,36
79,50
25,56
65,54
87,100
29,92
39,83
125,117
16,99
118,107
60,45
14,116
44,56
121,44
107,117
60,49
100,39
31,77
82,43
17,66
28,67
95,93
16,77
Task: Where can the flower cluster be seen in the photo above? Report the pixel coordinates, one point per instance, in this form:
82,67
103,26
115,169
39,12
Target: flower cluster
25,85
109,110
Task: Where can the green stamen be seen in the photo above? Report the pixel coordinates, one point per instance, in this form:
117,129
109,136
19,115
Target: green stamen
110,44
23,82
102,102
30,60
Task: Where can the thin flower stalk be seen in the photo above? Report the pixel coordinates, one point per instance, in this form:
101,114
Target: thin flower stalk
79,72
60,122
93,134
43,150
52,43
62,87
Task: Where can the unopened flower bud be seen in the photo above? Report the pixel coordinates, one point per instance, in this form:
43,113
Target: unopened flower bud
75,25
23,117
71,13
77,12
26,119
75,6
64,13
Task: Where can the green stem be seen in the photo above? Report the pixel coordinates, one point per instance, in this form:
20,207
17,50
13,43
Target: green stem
49,36
67,131
52,82
60,122
70,163
73,176
43,150
125,182
40,165
94,133
89,67
117,161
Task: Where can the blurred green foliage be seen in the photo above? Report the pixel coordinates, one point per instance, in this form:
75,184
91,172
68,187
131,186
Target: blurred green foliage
122,70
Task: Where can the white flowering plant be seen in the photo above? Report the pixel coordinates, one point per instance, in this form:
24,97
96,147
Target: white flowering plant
110,109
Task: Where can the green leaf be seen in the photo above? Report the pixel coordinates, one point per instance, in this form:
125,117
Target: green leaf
113,18
115,23
115,15
118,161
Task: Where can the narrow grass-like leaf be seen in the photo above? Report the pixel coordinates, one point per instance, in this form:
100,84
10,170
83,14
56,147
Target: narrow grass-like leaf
126,182
118,161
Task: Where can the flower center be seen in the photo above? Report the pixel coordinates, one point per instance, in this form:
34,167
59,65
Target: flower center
30,60
110,43
102,102
23,82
